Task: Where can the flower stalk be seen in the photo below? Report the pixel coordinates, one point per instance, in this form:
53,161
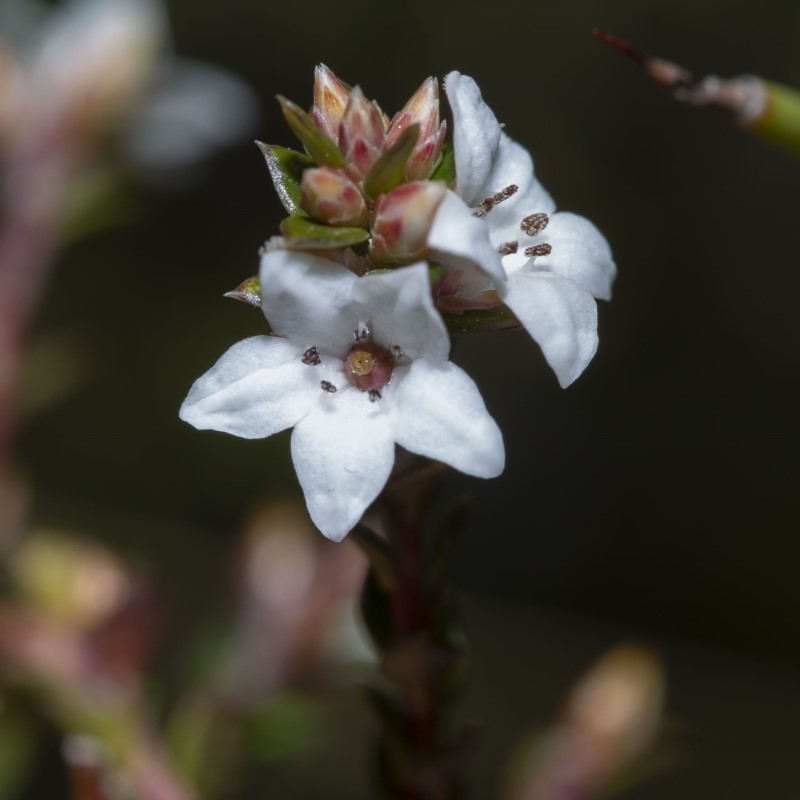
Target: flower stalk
423,655
769,110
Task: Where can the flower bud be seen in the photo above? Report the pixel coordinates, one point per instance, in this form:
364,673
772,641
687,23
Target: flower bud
361,133
79,583
422,109
330,196
402,220
330,100
617,706
97,58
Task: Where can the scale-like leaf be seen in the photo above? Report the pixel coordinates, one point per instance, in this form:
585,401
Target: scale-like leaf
303,234
320,146
286,169
500,318
248,291
446,170
389,171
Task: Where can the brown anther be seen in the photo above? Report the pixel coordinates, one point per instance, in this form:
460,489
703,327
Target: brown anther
374,395
311,357
534,224
538,250
396,352
360,334
327,386
507,248
490,202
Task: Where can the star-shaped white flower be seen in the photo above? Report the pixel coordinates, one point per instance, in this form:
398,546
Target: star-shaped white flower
357,365
555,263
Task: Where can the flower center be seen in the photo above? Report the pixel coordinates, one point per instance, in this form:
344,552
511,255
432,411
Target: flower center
368,366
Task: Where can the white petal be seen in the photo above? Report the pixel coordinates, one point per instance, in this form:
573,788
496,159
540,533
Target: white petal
343,452
259,387
402,313
192,110
560,316
308,300
438,412
463,240
476,135
580,253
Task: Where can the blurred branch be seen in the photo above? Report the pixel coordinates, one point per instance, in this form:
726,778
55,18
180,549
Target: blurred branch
608,724
767,109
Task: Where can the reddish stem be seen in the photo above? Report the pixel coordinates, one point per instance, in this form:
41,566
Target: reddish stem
36,175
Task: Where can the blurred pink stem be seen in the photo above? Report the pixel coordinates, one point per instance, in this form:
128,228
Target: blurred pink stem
34,186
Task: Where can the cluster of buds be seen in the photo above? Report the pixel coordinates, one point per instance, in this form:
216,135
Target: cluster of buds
369,184
384,256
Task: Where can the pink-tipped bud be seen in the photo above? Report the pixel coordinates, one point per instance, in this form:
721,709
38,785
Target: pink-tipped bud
330,100
361,134
422,109
330,196
426,155
402,221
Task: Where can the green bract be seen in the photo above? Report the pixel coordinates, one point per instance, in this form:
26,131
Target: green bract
446,169
303,234
286,169
499,318
320,146
248,291
389,171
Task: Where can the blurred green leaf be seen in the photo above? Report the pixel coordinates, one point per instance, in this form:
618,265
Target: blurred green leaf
55,365
19,739
97,200
780,121
285,727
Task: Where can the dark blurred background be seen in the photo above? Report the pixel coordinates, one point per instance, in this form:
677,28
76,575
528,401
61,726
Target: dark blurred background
656,498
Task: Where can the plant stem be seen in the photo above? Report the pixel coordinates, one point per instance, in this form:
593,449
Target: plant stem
36,175
413,627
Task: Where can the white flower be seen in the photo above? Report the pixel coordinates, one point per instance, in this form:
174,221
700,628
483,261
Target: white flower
100,66
555,263
361,364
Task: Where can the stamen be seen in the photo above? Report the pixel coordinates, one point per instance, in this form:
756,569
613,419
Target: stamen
396,352
538,250
327,386
360,333
311,357
534,224
507,248
374,395
490,202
